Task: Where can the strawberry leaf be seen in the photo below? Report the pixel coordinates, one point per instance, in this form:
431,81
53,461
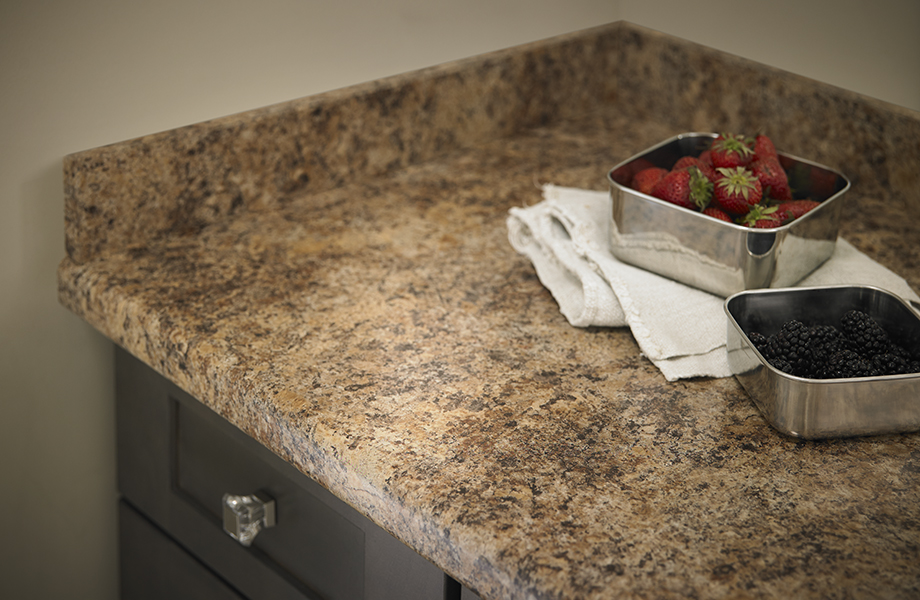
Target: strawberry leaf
758,212
700,188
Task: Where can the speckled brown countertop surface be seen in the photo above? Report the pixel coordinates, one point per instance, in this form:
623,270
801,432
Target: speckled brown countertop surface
378,332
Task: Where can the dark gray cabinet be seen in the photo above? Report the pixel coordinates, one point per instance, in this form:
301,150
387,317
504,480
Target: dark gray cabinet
176,460
153,565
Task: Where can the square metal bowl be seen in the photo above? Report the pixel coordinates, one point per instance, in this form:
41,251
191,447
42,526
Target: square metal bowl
715,256
824,408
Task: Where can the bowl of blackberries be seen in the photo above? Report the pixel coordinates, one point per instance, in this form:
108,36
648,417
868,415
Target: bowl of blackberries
832,361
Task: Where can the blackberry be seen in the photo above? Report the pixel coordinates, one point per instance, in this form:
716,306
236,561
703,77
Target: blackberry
891,364
824,341
846,363
864,335
907,355
790,343
900,351
859,348
782,364
759,340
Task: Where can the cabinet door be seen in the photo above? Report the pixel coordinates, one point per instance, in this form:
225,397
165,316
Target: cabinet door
153,566
176,459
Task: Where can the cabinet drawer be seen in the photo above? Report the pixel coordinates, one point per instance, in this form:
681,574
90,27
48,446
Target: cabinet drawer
311,541
154,566
177,458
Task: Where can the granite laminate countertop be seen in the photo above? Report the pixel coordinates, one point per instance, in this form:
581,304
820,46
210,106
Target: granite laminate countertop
333,276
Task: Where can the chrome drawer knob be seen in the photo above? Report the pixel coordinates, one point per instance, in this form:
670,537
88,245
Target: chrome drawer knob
246,516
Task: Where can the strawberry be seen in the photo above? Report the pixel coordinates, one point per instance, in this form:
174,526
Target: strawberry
645,180
691,161
706,157
766,223
761,217
688,188
764,148
736,190
772,178
715,213
685,161
625,174
793,209
639,164
730,151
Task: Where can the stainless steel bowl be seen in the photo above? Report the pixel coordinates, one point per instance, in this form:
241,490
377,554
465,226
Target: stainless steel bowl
823,408
719,257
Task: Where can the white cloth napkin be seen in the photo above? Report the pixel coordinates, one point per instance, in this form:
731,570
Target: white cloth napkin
681,329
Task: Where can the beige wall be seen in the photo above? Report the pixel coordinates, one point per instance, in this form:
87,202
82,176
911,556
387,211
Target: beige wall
74,75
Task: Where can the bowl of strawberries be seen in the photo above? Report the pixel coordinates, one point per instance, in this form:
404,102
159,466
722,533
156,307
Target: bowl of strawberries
724,212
